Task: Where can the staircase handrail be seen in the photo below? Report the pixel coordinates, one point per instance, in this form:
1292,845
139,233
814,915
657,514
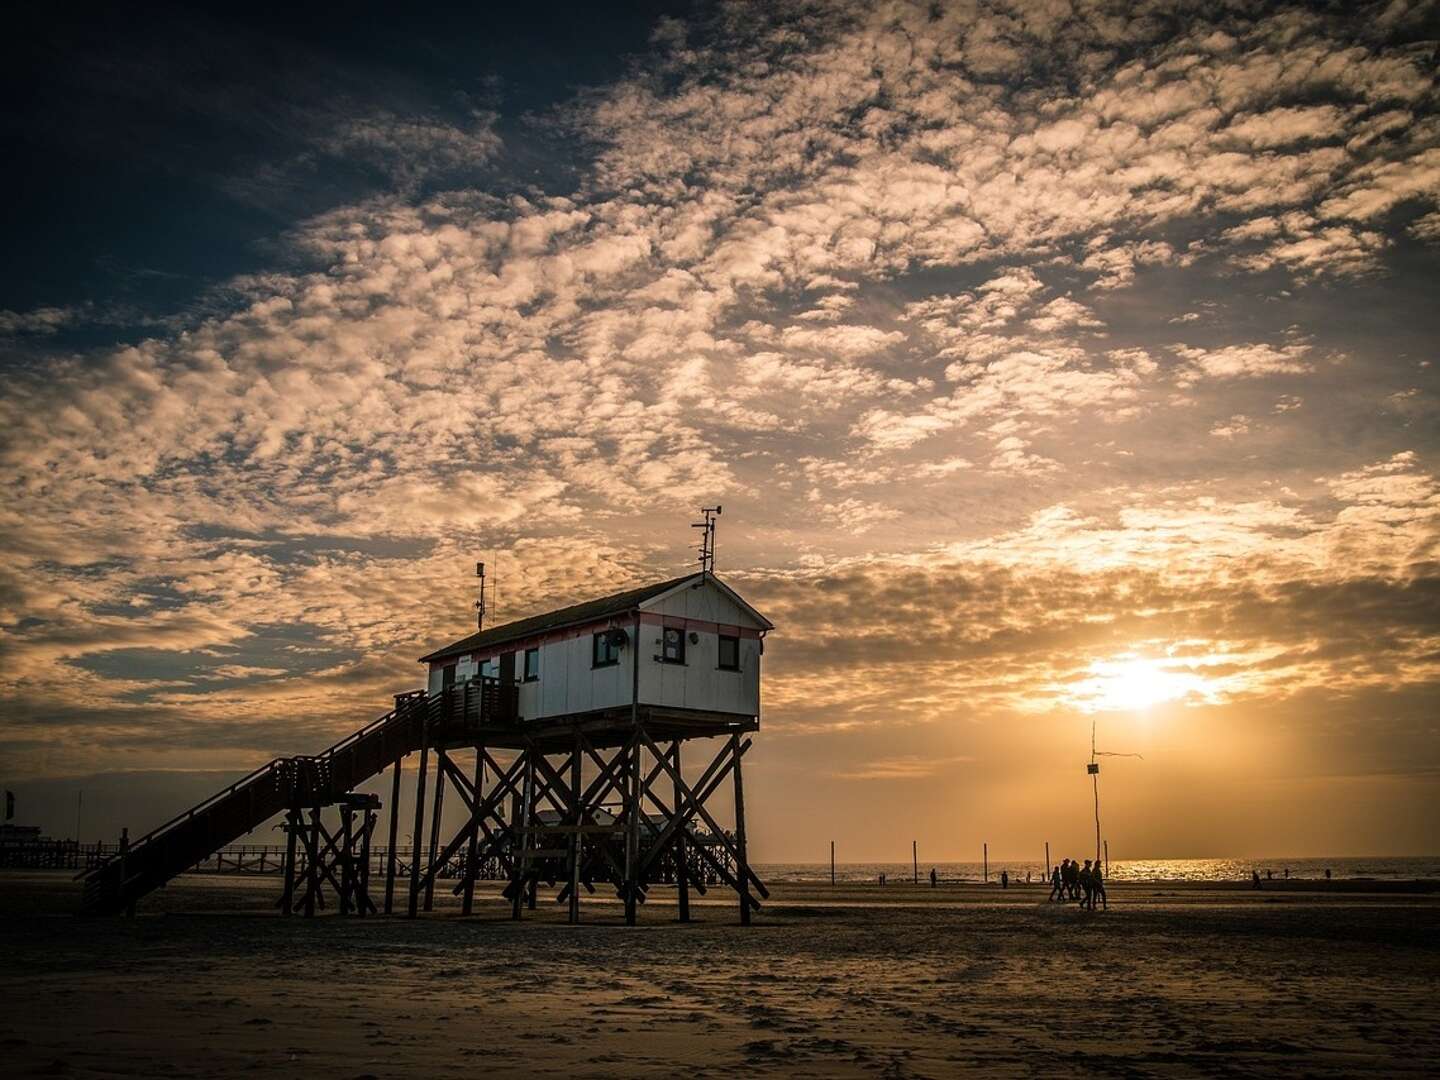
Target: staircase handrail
178,818
227,792
330,751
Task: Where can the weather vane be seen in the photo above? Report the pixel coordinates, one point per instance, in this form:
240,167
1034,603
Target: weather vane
707,538
1094,770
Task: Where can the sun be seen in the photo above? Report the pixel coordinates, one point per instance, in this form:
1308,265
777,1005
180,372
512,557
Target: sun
1131,682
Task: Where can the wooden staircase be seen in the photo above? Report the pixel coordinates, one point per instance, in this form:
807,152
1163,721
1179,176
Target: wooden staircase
115,885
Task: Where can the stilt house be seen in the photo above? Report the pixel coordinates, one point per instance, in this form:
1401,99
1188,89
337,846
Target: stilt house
684,649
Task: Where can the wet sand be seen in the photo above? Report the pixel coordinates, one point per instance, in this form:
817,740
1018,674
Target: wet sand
1175,980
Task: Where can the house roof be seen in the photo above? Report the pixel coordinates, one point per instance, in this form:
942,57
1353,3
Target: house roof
615,604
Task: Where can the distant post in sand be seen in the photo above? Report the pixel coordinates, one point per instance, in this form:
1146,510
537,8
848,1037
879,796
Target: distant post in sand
985,857
915,860
1046,874
832,862
1107,858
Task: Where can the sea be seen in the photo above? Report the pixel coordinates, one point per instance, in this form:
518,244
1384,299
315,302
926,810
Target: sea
1408,868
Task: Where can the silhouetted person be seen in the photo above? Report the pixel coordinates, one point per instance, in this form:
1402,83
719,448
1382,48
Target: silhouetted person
1327,873
1097,888
1004,879
1255,879
1269,875
1083,877
1073,880
1057,885
1287,873
934,878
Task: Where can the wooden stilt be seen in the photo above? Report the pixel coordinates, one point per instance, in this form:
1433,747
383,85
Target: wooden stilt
528,812
390,864
742,861
632,830
471,866
312,863
292,826
418,836
435,814
577,819
364,903
517,854
682,855
347,858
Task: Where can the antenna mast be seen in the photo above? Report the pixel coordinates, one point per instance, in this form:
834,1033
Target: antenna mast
480,601
707,538
1094,770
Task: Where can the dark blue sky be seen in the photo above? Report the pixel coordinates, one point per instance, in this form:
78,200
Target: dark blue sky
154,151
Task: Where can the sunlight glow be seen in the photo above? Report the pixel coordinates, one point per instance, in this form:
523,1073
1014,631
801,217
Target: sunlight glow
1137,682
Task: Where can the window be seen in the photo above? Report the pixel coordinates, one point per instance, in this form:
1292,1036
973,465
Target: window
489,669
447,676
672,646
729,653
605,648
532,665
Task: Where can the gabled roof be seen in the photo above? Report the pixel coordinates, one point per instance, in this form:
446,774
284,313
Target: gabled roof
615,604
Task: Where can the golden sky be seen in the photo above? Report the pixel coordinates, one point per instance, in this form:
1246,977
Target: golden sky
1055,363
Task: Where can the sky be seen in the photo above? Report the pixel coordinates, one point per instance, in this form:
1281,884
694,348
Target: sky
1059,365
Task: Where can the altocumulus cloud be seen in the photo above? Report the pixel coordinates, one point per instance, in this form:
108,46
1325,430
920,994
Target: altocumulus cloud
911,288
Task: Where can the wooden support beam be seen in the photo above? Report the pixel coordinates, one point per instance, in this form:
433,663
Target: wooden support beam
631,810
730,755
312,854
507,784
442,762
472,867
292,826
366,904
517,857
682,861
742,864
577,819
347,859
418,835
390,864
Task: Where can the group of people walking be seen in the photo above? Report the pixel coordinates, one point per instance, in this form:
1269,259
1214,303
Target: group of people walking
1085,884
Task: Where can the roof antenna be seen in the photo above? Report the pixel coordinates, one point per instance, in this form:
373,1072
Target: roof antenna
480,602
707,538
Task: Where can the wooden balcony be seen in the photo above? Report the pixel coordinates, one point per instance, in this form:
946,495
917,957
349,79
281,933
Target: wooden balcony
484,701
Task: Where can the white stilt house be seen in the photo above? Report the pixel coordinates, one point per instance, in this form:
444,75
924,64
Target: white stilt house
683,649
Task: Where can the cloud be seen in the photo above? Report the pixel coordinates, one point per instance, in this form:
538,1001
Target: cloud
899,285
1251,361
910,767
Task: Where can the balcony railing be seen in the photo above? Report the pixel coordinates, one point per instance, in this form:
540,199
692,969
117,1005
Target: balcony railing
481,701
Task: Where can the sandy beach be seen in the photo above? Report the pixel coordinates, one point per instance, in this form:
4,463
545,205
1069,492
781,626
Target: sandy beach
1174,980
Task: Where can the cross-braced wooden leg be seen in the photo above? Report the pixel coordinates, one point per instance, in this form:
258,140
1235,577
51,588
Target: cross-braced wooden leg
472,868
742,862
632,829
312,863
347,859
390,856
441,761
292,827
366,905
682,867
416,838
577,819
